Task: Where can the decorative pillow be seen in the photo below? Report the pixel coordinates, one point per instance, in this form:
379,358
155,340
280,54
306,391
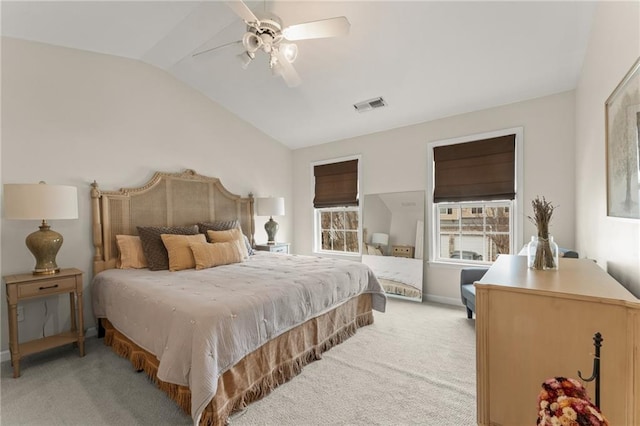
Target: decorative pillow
218,225
248,246
180,255
208,255
154,250
131,254
234,234
225,225
372,250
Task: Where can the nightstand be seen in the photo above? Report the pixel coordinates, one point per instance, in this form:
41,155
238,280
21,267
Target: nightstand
273,248
28,286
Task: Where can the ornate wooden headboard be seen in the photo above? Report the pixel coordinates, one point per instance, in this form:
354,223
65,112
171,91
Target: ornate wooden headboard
172,199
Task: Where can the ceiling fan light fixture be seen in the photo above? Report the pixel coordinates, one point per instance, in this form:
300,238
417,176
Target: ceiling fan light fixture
267,34
245,59
290,51
251,42
276,70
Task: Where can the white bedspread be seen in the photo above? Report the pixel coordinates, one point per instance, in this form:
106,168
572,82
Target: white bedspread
201,323
402,269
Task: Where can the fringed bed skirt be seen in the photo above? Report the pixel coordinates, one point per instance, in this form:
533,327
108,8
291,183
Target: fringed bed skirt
401,289
261,371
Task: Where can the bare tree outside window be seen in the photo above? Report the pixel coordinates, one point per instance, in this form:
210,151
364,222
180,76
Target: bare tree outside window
339,230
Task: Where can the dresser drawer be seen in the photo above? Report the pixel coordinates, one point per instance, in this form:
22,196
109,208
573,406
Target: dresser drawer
45,287
403,251
279,249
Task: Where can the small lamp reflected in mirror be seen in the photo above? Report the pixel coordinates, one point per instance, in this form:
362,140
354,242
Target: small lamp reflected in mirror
41,202
380,240
271,206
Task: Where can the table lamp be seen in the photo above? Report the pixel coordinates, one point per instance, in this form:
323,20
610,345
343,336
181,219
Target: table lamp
41,202
379,239
271,206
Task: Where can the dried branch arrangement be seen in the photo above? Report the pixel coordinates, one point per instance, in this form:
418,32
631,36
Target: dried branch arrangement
542,213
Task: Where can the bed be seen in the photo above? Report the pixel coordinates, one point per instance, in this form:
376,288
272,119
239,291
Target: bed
399,276
216,339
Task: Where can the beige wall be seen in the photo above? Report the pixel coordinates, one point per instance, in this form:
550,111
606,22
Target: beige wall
395,160
69,117
613,47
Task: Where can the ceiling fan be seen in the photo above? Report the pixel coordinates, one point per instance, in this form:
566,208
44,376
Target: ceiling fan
268,34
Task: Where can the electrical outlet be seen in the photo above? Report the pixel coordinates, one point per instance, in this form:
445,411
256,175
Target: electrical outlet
20,313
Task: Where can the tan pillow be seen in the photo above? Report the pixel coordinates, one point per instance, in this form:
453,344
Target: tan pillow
180,255
234,234
131,253
208,255
372,250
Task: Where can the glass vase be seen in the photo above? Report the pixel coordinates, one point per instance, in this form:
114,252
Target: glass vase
542,253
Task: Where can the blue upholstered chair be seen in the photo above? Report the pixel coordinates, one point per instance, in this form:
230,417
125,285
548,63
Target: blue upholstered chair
467,290
470,275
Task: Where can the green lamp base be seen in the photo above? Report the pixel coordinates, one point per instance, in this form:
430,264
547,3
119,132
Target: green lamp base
272,228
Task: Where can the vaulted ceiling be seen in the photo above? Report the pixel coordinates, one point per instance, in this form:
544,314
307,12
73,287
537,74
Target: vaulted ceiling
428,60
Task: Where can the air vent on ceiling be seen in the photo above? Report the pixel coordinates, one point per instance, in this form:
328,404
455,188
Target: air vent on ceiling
370,104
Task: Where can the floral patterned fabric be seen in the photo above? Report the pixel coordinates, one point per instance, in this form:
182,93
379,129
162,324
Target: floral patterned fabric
564,402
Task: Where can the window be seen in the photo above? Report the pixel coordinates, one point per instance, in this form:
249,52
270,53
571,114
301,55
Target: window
476,181
338,229
336,207
474,233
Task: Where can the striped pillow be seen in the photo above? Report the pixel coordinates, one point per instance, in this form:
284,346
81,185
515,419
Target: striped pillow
208,255
234,234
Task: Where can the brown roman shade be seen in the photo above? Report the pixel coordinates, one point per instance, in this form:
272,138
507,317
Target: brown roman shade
336,184
475,171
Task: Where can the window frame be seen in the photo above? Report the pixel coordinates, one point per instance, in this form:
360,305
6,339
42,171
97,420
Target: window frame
318,230
471,205
517,222
317,237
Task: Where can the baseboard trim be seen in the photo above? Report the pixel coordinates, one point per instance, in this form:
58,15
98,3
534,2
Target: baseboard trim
6,355
442,299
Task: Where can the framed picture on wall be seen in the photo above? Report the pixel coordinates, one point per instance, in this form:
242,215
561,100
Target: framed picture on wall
622,111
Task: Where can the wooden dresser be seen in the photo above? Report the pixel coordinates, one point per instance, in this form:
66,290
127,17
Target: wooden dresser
403,251
532,325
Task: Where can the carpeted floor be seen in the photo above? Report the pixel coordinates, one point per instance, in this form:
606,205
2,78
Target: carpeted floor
414,365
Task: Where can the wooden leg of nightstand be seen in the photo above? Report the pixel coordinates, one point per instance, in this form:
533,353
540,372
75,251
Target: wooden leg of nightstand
80,324
13,339
72,310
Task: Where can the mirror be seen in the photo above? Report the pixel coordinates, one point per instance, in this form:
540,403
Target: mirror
393,236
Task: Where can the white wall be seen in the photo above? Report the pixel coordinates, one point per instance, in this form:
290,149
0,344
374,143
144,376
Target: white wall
376,217
69,117
549,134
613,47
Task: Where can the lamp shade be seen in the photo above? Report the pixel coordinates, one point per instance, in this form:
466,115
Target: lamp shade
380,239
270,206
40,201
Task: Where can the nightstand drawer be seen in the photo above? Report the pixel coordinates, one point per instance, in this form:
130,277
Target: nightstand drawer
45,287
273,248
403,251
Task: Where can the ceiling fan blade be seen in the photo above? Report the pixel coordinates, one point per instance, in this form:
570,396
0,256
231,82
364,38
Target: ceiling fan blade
242,10
288,72
331,27
217,48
